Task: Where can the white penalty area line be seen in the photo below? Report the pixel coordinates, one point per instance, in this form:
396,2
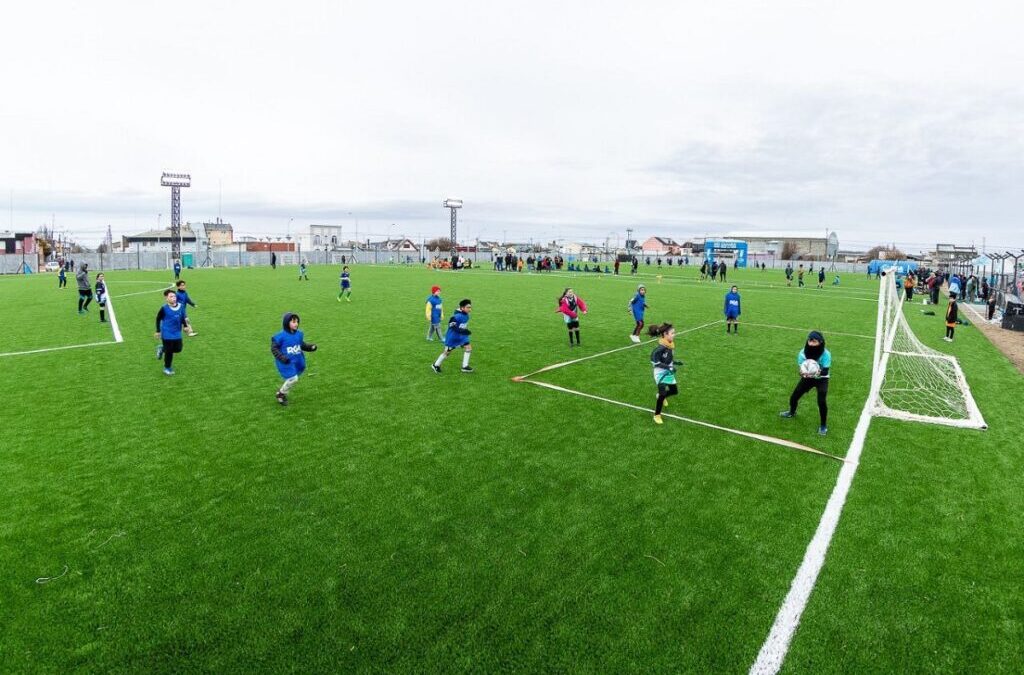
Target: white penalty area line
759,437
153,292
57,349
806,330
563,364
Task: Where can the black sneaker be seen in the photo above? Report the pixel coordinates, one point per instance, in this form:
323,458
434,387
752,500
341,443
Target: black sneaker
282,398
786,413
467,369
436,368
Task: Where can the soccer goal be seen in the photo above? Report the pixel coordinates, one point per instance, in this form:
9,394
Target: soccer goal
917,382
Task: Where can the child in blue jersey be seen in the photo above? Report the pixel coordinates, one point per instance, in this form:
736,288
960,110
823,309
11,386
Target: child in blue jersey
813,349
732,311
288,348
185,301
457,336
302,271
346,285
62,277
638,305
169,322
434,312
101,296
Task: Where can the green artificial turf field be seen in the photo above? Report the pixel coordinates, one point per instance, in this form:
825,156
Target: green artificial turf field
391,519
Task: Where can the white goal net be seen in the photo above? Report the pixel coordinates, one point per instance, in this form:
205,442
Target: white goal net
917,383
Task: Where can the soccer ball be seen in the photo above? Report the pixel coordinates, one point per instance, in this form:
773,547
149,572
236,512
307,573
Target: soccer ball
810,368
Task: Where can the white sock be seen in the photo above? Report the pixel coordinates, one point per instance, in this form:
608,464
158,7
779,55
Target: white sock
441,358
288,384
465,359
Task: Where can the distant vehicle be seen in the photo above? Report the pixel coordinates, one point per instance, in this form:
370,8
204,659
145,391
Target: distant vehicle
52,266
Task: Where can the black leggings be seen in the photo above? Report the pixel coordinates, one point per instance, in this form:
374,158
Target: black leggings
805,385
84,298
574,329
949,332
639,327
664,391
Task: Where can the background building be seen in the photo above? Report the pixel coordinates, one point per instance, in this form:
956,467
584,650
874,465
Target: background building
158,240
219,233
798,245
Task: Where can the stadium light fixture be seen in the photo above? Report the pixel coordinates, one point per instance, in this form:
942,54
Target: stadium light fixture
453,205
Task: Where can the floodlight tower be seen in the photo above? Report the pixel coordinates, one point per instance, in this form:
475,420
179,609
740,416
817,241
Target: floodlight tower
176,181
453,205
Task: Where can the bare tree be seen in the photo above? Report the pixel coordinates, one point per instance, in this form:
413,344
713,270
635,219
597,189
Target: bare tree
788,251
885,253
439,244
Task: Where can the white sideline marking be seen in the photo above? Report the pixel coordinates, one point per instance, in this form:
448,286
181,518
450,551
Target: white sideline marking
805,330
610,351
776,645
57,349
113,319
760,437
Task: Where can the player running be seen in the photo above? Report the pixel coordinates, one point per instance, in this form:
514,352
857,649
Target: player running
571,307
664,363
456,337
434,311
638,305
288,348
346,285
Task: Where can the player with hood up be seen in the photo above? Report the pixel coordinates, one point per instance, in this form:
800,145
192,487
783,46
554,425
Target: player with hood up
288,348
732,310
664,362
638,305
815,350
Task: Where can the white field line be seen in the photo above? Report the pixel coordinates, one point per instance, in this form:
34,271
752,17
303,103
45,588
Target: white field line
805,330
776,645
113,325
760,437
57,349
128,295
113,319
563,364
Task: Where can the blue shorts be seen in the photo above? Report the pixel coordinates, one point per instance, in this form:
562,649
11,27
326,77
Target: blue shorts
732,316
292,369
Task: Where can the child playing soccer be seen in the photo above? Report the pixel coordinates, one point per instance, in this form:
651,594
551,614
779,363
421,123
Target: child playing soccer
821,277
638,305
813,349
288,347
169,321
800,277
62,277
84,289
664,363
101,296
302,271
951,316
434,313
732,311
346,285
184,300
457,336
571,307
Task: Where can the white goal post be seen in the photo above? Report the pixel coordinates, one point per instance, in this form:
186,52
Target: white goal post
917,383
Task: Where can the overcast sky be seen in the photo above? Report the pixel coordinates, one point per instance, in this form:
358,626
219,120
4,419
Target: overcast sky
885,121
